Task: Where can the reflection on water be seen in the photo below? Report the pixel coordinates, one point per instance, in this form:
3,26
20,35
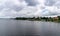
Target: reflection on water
28,28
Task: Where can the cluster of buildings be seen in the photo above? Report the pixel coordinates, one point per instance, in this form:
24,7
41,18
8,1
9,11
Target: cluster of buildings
56,18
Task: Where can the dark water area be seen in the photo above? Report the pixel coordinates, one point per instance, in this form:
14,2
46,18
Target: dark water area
28,28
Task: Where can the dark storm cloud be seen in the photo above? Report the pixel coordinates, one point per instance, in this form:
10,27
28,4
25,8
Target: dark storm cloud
49,2
31,2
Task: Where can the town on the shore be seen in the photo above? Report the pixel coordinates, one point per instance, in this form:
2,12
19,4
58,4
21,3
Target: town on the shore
57,18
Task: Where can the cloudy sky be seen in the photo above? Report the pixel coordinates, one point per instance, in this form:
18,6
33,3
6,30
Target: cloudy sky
29,8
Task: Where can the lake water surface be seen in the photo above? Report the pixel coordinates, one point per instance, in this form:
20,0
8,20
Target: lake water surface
28,28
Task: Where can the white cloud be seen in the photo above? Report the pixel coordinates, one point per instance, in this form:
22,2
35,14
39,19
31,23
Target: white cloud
29,8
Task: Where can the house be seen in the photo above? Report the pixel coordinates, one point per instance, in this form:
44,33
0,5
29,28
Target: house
55,18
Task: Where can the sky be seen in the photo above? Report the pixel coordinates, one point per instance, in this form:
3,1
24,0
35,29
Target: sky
29,8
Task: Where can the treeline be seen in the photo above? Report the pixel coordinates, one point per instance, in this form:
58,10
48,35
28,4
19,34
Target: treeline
40,18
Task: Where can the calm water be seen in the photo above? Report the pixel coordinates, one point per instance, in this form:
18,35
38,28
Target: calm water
28,28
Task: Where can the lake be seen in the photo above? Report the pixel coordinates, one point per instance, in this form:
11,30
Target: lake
28,28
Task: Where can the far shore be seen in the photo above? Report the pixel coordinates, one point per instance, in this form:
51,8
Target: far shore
54,19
